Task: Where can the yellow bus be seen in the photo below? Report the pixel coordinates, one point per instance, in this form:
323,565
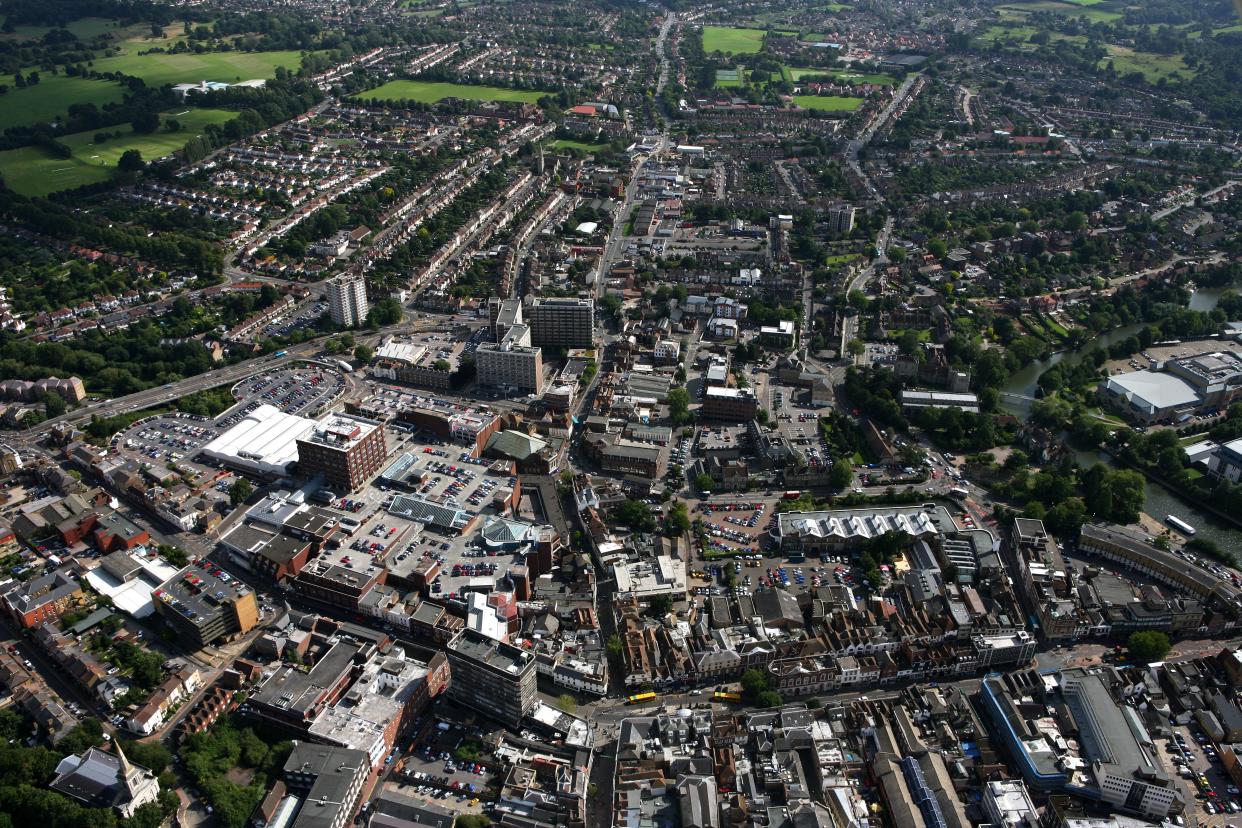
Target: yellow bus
641,698
720,695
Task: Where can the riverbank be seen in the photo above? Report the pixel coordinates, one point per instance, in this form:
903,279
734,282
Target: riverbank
1164,483
1156,526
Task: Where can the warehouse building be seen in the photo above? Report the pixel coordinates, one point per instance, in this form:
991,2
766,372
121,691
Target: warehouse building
1149,396
264,443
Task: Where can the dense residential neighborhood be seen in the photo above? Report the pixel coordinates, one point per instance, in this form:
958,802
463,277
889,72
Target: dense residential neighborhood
571,415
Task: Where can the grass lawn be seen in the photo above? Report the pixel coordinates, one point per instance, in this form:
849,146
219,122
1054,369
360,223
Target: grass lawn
1096,15
1054,326
992,34
736,41
841,258
51,98
34,171
797,73
827,103
432,91
1153,66
224,67
1020,36
138,38
924,335
565,143
729,78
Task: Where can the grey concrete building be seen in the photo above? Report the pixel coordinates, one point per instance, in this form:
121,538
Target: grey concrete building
495,678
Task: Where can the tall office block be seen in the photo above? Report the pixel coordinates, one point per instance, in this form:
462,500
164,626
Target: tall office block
494,678
561,323
347,300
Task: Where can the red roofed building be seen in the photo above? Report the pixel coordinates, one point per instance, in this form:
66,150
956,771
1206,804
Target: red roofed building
112,532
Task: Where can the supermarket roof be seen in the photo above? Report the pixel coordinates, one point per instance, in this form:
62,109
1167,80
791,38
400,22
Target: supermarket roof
401,351
1150,391
264,441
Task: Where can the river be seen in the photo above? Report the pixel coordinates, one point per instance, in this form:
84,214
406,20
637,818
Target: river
1024,382
1158,500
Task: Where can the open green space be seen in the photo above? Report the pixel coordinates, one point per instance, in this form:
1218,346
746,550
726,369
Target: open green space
734,41
223,67
1021,9
137,38
797,73
1195,34
827,103
433,91
51,97
1153,66
1020,36
85,28
1096,15
730,78
841,258
992,34
1038,5
34,171
565,143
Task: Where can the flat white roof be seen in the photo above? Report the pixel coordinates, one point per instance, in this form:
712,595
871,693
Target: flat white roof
401,351
265,441
1150,391
728,392
133,597
481,617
